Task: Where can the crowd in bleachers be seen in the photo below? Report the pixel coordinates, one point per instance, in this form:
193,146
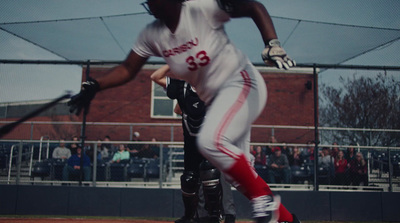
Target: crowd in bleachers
115,162
335,166
275,164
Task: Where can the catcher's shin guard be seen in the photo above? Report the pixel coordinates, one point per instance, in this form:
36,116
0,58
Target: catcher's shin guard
210,179
189,186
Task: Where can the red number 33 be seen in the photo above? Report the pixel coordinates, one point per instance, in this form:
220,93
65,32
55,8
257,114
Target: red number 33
202,58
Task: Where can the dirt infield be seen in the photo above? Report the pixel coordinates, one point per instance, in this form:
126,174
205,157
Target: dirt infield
116,220
74,220
82,220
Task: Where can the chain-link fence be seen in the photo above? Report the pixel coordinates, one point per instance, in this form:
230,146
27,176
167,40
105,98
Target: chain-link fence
361,151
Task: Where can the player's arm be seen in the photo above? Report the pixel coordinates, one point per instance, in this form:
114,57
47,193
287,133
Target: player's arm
273,52
116,76
122,73
177,109
257,12
159,76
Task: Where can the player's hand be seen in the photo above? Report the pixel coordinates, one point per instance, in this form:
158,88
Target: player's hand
84,97
274,54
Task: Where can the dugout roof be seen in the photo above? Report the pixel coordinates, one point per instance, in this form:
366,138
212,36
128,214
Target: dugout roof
356,32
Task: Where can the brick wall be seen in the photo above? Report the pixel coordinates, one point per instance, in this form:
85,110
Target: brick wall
289,103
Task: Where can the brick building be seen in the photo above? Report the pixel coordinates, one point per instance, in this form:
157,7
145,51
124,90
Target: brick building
140,106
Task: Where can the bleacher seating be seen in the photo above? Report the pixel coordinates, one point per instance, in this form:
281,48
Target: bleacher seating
300,174
41,169
57,168
118,171
262,171
101,171
152,169
3,159
136,168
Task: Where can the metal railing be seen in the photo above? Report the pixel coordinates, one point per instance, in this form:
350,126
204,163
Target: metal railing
167,167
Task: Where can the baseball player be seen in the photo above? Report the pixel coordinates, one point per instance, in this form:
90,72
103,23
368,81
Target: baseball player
190,37
196,169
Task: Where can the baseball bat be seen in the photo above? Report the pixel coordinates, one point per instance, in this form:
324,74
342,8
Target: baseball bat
7,128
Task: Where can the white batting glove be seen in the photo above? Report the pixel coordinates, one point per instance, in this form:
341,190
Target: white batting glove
275,54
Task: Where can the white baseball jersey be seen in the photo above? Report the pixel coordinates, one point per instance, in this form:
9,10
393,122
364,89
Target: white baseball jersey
199,51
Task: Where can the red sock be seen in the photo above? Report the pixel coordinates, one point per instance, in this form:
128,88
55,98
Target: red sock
284,214
251,185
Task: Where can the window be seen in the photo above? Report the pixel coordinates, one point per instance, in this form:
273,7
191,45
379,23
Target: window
161,106
3,111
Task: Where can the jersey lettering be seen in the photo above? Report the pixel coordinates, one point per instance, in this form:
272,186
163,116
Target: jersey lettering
182,48
201,57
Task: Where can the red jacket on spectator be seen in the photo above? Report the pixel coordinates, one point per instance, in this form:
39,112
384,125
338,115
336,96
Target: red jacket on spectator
340,165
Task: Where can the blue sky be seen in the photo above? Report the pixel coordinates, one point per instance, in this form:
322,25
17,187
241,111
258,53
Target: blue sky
32,82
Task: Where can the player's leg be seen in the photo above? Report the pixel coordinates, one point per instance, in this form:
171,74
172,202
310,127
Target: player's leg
213,196
228,120
212,190
201,210
190,179
228,203
189,187
227,198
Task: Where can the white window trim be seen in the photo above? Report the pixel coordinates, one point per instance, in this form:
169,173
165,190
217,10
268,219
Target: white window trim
153,97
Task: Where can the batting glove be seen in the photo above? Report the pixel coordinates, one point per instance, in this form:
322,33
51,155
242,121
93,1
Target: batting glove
275,54
84,97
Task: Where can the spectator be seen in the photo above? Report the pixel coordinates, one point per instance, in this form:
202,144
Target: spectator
325,160
259,156
252,151
90,153
74,144
73,166
335,150
285,150
278,167
107,145
135,148
295,158
358,171
147,152
103,149
351,154
61,152
308,153
340,169
268,150
154,146
121,155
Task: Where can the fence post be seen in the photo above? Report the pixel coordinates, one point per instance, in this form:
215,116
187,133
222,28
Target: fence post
130,132
19,160
172,133
316,135
94,164
390,169
31,130
83,128
161,156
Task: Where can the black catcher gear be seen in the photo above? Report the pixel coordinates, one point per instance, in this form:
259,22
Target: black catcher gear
210,179
190,185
